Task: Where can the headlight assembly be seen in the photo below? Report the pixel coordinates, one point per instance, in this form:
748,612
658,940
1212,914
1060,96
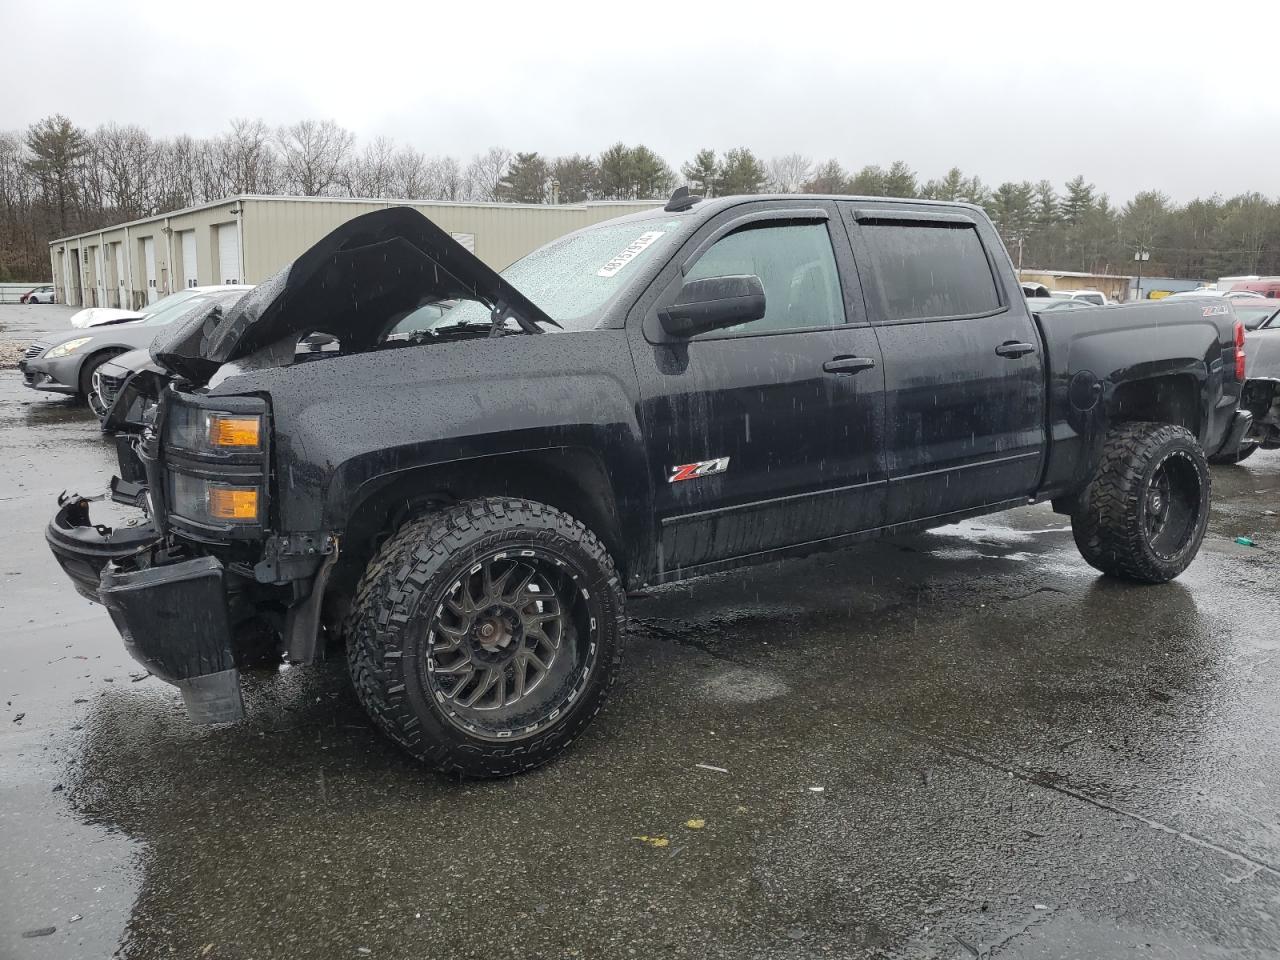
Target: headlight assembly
66,349
211,502
211,431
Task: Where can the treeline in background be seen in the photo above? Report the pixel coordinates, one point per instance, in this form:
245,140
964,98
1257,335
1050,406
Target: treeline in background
58,179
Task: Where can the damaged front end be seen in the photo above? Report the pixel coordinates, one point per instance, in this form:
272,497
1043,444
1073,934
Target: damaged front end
203,583
209,580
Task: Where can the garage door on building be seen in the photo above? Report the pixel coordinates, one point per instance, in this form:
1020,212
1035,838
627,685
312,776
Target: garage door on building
149,259
228,253
122,285
99,279
189,275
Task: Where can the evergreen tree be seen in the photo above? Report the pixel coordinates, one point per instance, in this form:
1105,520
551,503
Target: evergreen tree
653,178
56,148
1078,201
1012,209
701,172
1046,203
634,173
828,178
578,178
900,180
616,177
525,181
741,173
868,182
950,187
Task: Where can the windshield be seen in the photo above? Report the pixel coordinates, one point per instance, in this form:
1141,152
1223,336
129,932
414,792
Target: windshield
164,303
424,318
180,305
574,278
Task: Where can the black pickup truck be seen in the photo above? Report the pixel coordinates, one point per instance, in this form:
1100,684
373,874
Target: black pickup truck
677,392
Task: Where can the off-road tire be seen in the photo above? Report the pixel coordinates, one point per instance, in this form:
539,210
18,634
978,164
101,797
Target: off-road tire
1246,451
1110,523
396,605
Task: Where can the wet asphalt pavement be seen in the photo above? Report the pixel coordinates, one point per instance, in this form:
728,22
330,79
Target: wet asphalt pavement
958,744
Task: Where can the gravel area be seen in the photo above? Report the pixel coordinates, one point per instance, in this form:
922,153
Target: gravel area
10,352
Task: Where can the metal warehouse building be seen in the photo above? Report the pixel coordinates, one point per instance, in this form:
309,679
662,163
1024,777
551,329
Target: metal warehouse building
246,239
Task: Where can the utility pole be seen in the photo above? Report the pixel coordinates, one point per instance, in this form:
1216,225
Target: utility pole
1141,256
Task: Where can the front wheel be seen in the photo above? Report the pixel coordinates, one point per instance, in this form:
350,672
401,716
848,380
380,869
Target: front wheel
88,389
483,638
1144,513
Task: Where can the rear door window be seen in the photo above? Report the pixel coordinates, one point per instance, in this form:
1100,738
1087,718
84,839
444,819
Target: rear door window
929,271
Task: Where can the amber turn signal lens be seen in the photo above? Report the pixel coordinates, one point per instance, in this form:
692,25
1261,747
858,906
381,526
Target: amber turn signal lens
225,431
233,503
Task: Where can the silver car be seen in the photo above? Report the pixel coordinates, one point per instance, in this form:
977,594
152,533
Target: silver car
66,362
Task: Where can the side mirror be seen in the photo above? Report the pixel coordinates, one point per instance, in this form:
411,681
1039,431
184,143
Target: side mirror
712,304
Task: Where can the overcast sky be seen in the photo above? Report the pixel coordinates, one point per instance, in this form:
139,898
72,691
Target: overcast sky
1169,99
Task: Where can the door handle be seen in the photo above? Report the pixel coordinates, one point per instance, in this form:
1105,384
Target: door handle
848,365
1014,349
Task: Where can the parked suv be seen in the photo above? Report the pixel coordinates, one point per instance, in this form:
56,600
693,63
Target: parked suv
666,395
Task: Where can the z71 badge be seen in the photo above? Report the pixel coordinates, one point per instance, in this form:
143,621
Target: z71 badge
704,468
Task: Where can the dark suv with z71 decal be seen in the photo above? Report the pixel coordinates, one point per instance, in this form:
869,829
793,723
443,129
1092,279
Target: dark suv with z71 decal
673,393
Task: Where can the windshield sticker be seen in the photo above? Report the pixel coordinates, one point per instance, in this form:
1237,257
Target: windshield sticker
633,250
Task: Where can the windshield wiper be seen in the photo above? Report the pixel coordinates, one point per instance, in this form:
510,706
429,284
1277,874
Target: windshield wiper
460,325
501,313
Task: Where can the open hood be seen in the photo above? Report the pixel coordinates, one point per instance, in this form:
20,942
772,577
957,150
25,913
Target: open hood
354,284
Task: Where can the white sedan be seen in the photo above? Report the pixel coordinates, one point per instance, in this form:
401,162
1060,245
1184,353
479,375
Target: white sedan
97,316
40,295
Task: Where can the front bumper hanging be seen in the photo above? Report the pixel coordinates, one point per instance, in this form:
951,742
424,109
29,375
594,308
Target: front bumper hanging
173,616
174,622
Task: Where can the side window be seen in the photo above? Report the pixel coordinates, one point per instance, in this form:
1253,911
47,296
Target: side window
930,270
796,267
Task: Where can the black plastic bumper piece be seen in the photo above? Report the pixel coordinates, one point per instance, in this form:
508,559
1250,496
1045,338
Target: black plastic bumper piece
83,549
1240,425
174,622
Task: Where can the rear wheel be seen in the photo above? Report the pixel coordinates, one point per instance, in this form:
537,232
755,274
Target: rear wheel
1144,513
484,638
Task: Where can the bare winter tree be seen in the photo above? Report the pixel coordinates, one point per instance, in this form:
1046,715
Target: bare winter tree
183,169
313,153
244,161
129,164
788,173
22,229
371,174
409,175
486,171
447,179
